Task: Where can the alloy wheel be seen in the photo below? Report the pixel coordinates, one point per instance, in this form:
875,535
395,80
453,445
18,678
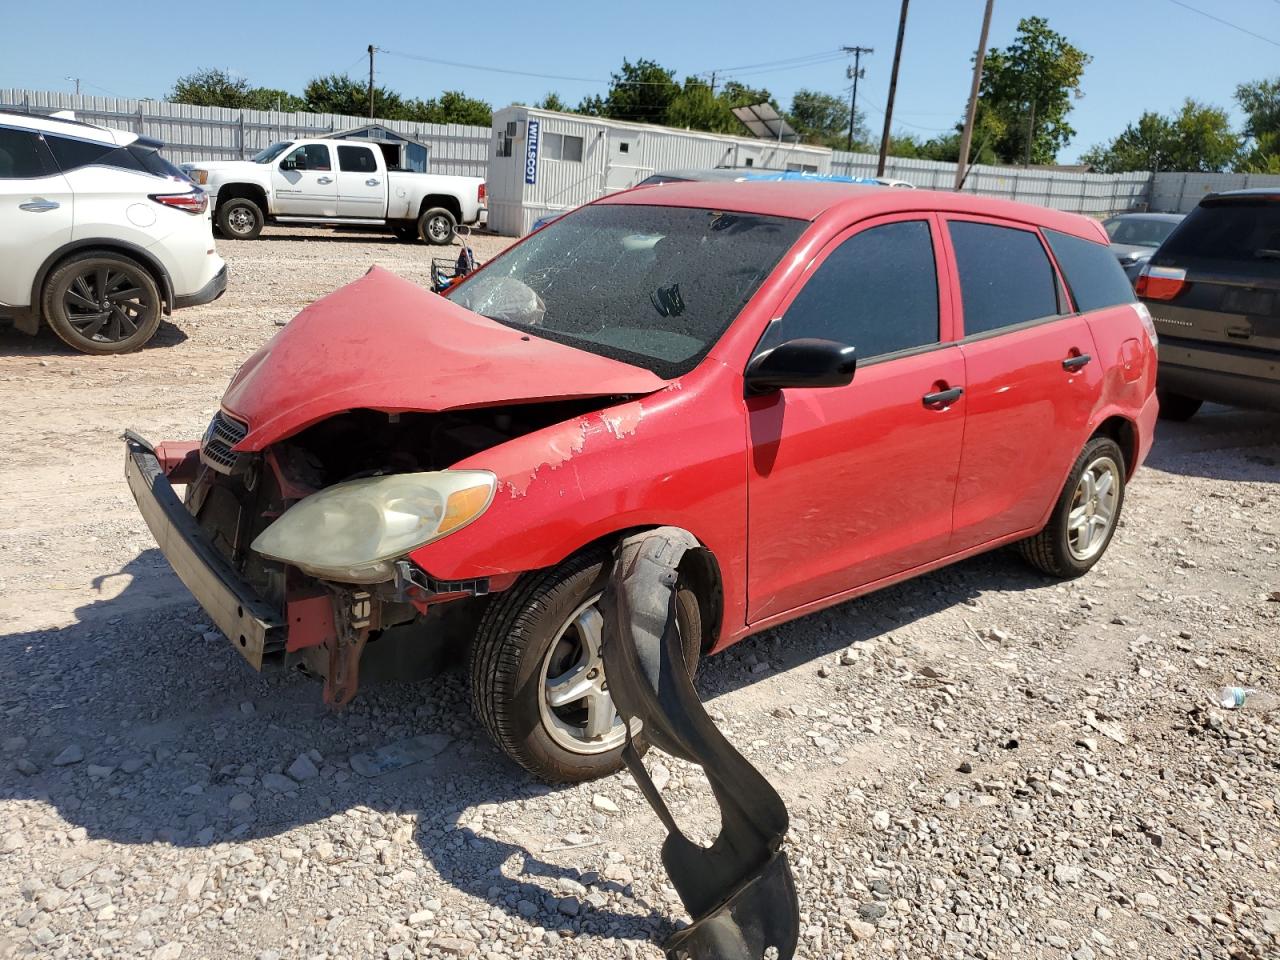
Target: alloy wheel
1093,508
106,304
576,707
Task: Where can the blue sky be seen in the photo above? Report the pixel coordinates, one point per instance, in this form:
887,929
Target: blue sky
1147,54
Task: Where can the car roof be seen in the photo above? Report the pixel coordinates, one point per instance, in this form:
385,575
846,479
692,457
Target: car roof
809,201
70,128
1163,217
1249,192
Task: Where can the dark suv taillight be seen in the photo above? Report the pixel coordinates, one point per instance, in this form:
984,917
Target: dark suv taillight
1161,283
195,203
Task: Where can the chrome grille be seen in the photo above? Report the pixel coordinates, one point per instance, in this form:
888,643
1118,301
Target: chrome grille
222,434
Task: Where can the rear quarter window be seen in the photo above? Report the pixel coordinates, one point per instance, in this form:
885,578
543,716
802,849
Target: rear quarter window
1092,272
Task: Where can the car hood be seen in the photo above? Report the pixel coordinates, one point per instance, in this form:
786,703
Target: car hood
1131,251
384,343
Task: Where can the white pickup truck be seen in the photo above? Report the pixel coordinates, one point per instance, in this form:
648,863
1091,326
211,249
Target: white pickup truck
335,183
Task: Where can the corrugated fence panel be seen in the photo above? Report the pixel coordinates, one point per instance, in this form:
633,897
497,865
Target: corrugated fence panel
1180,192
216,133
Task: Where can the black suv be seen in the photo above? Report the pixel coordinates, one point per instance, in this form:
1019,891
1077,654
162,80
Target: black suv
1213,289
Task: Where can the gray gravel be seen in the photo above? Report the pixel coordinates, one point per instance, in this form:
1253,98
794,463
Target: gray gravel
979,763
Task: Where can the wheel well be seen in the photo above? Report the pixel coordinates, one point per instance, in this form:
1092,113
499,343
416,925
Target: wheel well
1126,437
138,256
244,191
441,200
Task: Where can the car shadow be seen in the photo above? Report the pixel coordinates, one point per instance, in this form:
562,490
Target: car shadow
178,741
1196,448
15,343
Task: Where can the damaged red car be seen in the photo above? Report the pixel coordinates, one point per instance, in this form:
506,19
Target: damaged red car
832,388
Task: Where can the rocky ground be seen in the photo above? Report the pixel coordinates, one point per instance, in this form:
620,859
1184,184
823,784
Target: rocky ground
978,763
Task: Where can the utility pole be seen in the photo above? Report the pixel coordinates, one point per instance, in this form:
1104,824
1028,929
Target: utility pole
893,89
371,49
1031,130
966,138
854,73
77,83
713,83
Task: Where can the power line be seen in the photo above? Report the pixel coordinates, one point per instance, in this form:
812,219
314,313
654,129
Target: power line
1226,23
797,60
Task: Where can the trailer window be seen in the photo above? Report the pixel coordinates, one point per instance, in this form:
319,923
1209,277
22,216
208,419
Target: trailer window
562,146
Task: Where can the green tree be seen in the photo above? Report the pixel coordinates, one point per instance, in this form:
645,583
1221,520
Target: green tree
1028,87
592,106
266,98
452,106
697,108
736,94
210,87
1260,101
823,118
1197,139
339,93
552,101
641,91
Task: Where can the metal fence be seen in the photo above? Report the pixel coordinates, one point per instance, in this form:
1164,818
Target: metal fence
1075,192
1180,192
217,133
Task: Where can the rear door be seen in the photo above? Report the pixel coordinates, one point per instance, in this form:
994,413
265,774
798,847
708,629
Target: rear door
304,182
1229,247
35,211
1032,379
362,187
849,485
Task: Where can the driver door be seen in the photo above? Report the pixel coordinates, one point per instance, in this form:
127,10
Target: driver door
849,485
304,183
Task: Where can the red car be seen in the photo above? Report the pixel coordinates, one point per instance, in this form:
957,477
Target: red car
398,475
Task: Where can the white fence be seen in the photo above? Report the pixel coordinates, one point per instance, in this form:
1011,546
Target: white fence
217,133
1180,192
1088,193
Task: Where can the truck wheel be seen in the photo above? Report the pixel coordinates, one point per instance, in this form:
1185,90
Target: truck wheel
240,219
436,226
1086,515
102,303
537,682
1177,406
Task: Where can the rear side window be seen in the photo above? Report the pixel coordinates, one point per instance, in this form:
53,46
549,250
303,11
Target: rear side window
1093,273
356,160
1241,229
877,292
23,155
1005,276
152,162
74,154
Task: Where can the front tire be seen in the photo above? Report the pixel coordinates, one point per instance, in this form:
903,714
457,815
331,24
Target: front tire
1177,407
436,226
240,219
102,303
537,683
1086,515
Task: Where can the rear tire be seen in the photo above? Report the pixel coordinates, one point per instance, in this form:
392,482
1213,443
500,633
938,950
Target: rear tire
1177,407
517,653
239,219
436,226
1086,514
102,303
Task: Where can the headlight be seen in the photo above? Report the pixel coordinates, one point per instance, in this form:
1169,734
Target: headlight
352,531
198,176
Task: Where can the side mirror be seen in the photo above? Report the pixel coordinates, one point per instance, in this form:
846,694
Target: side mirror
801,363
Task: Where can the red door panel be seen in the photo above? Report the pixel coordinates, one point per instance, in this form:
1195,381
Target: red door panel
851,484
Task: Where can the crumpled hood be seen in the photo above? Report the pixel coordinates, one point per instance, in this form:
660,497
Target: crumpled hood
384,343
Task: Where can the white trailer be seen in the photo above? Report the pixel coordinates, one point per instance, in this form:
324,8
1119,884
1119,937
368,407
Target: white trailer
547,163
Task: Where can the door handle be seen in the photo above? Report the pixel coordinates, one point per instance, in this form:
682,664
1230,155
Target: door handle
39,205
943,397
324,179
1076,362
372,182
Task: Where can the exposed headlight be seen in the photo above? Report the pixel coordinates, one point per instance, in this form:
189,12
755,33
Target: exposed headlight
198,176
351,532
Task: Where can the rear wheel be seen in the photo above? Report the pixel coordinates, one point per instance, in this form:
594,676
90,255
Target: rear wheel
1085,516
537,680
436,226
102,303
1177,406
240,219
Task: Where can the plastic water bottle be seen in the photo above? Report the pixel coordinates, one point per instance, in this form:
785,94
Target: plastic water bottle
1233,698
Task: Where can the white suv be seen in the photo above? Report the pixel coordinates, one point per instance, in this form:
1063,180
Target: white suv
99,234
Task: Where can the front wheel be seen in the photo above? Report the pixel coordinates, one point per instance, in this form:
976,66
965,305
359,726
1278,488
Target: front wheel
436,226
537,679
102,303
1085,516
240,219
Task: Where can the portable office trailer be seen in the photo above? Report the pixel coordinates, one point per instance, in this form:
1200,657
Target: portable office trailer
400,151
546,163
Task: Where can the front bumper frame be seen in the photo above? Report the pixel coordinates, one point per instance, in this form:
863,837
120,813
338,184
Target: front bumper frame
254,627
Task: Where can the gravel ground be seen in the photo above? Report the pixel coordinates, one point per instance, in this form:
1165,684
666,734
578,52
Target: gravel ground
979,763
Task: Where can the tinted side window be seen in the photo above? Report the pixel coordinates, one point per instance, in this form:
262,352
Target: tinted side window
23,155
314,156
74,154
356,160
877,291
152,162
1005,276
1229,228
1093,273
